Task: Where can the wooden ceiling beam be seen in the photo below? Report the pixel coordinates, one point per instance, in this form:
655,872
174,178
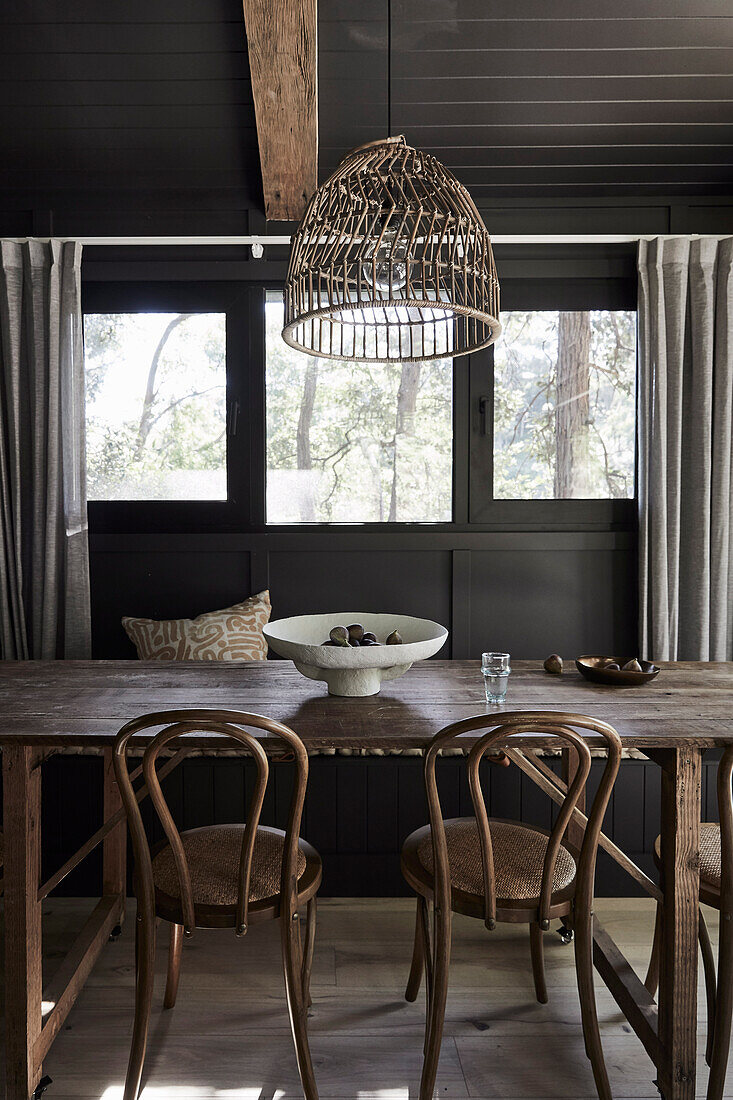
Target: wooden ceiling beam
282,43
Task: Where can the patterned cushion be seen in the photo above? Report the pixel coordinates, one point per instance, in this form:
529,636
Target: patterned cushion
233,634
519,853
213,854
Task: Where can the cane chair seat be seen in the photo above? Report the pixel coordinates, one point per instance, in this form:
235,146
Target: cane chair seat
213,854
710,860
518,850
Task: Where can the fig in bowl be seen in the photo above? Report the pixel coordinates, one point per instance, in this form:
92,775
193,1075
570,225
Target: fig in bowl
354,652
616,671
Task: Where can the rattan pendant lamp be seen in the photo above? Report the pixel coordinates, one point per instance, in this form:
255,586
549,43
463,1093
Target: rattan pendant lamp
391,262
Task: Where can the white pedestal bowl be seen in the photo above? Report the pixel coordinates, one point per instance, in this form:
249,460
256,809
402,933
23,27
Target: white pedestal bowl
359,671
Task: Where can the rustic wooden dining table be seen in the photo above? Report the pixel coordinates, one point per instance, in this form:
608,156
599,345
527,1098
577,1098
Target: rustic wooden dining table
52,706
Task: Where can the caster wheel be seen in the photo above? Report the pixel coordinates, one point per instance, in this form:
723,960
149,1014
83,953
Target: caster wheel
565,934
41,1088
115,933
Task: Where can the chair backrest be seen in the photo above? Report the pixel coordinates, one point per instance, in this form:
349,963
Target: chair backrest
234,726
550,728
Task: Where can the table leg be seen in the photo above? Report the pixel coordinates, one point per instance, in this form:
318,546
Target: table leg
114,845
680,874
23,941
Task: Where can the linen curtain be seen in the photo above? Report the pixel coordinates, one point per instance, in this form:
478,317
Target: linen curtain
44,556
685,449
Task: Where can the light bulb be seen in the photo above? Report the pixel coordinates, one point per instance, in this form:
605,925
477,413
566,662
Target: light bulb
376,267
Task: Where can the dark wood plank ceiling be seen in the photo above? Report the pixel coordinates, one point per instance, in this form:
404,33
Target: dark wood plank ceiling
591,97
139,117
142,106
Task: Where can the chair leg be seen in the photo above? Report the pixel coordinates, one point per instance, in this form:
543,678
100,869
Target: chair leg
175,951
424,918
293,970
583,926
437,998
708,964
144,982
723,1008
536,948
652,975
418,958
310,942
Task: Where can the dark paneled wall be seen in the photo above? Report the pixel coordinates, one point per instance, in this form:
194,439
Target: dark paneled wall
532,592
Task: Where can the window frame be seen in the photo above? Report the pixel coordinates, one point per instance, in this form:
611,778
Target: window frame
532,277
561,292
368,525
235,300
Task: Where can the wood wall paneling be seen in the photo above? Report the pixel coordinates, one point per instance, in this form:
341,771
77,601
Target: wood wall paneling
596,99
553,601
530,593
406,582
170,584
141,118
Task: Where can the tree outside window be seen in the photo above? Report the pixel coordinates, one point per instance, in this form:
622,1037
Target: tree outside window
155,406
564,405
356,442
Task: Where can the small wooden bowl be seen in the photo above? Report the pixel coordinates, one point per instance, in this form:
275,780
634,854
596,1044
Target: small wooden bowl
589,667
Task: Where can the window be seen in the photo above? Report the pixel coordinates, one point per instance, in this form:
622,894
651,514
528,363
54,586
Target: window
201,418
564,405
355,443
552,405
169,404
156,406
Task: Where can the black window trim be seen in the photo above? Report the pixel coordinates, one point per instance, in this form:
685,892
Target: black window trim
235,299
578,277
589,276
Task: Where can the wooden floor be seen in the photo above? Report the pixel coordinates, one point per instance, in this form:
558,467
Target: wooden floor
228,1036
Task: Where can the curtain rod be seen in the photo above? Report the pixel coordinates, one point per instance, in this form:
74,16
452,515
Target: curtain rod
498,238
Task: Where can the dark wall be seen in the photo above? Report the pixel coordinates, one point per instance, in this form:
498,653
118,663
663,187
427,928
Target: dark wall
531,592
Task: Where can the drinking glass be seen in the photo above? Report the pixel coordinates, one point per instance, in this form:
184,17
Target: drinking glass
495,668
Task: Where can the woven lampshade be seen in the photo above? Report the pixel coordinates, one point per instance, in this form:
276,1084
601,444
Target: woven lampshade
391,261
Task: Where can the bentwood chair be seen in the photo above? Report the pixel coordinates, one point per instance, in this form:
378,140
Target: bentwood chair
221,876
716,890
505,871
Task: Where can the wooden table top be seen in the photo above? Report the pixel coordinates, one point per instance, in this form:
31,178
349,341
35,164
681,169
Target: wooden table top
84,703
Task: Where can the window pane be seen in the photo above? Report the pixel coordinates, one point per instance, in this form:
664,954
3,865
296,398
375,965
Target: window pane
564,405
156,406
353,443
